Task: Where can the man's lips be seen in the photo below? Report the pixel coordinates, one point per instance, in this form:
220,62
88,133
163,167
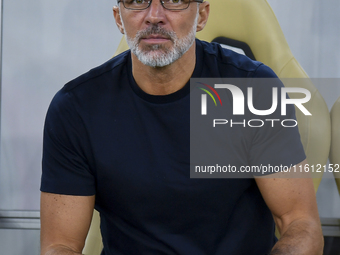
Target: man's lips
155,39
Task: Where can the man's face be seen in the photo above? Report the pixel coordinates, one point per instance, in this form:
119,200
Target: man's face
158,37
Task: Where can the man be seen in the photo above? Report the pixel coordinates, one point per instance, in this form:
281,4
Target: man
117,139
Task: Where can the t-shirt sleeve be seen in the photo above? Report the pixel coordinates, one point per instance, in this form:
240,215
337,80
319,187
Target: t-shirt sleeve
65,162
277,143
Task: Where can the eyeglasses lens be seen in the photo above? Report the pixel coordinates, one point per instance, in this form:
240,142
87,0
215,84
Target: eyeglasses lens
167,4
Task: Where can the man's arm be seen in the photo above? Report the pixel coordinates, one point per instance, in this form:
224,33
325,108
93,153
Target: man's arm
65,221
293,205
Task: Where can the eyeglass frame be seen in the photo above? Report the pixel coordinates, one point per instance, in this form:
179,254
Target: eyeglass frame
162,3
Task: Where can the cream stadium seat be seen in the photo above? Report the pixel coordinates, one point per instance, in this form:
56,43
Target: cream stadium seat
252,26
334,155
254,23
93,242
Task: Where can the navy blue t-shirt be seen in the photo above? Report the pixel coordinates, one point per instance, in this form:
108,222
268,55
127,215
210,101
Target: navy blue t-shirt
104,136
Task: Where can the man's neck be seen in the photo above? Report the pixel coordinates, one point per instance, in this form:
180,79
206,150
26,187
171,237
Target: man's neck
164,80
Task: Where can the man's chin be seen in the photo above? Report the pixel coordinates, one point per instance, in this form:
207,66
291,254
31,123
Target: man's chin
155,59
154,53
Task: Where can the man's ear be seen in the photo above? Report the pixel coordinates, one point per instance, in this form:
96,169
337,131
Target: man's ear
118,18
204,9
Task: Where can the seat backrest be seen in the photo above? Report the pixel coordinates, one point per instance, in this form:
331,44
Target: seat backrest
93,242
254,23
334,155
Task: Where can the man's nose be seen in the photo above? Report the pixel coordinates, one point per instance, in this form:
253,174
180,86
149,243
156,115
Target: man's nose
156,13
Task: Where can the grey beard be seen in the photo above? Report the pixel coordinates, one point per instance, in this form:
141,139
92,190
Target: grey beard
159,55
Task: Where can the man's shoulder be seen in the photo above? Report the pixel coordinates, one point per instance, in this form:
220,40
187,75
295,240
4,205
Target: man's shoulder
92,85
111,68
234,62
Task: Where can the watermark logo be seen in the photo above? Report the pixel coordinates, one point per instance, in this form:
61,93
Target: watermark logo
246,127
239,99
204,97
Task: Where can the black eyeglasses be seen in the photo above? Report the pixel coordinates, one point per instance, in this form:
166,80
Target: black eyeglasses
172,5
